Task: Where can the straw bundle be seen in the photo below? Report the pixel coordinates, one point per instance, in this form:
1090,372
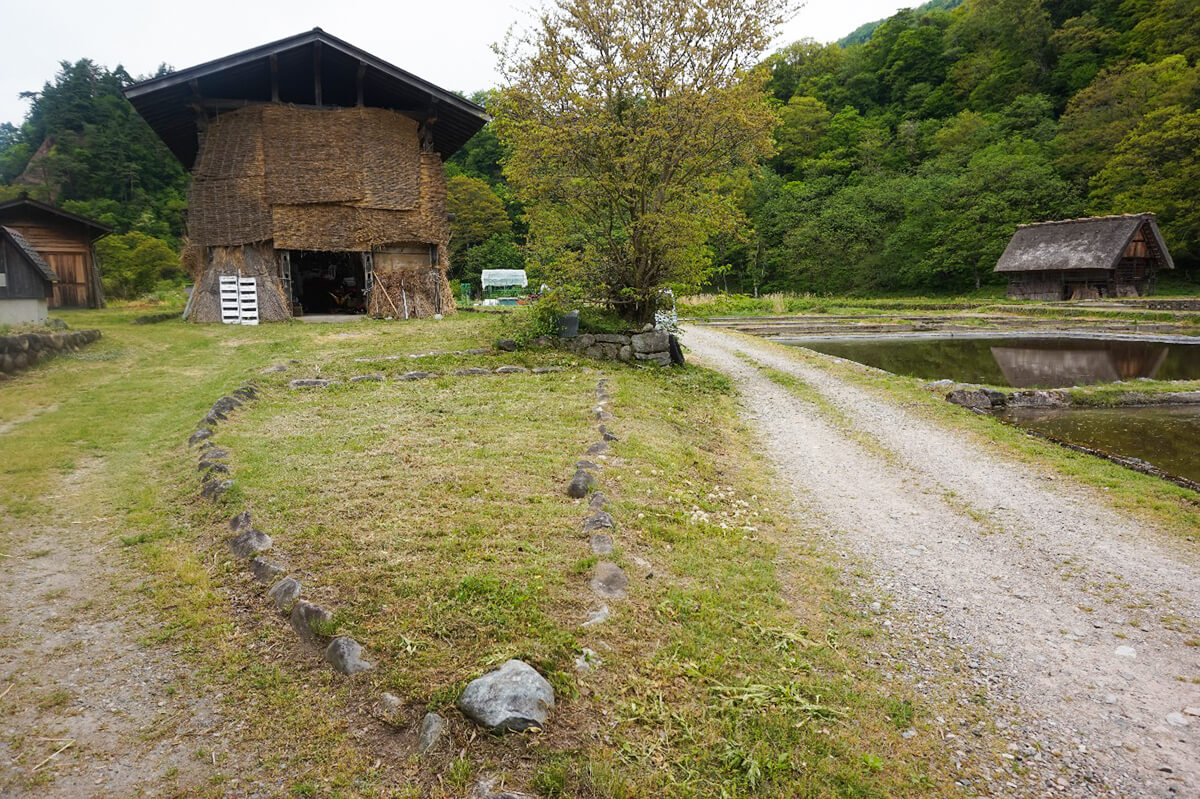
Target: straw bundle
256,261
411,293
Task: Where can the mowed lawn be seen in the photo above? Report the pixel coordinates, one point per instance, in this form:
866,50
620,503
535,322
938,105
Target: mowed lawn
431,517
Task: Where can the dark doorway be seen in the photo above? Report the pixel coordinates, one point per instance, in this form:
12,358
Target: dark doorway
329,282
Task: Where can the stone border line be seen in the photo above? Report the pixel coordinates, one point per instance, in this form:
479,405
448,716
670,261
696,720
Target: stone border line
24,350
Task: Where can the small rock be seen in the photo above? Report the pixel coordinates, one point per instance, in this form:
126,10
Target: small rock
514,697
587,660
512,370
506,345
601,544
598,616
309,382
279,367
546,370
240,522
980,398
585,464
939,385
599,448
609,580
389,707
432,727
598,501
309,620
416,375
659,358
877,608
198,436
600,520
285,593
367,379
209,468
625,353
345,655
608,436
249,543
471,370
437,317
1177,720
582,483
264,570
1126,652
486,789
213,488
909,733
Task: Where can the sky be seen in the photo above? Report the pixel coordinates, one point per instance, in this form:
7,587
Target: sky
447,42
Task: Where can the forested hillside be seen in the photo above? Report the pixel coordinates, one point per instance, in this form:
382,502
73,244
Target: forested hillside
904,161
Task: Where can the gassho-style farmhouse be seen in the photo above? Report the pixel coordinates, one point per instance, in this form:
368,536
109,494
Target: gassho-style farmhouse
316,177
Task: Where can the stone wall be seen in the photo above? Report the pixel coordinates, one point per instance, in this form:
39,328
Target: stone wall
653,346
22,351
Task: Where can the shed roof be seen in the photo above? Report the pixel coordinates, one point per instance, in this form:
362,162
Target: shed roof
30,254
24,203
1097,242
503,277
169,103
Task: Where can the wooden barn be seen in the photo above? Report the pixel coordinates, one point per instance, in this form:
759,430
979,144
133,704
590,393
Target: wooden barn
64,241
26,281
316,171
1085,259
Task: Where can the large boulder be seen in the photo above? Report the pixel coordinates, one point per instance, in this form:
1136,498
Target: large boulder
513,697
653,341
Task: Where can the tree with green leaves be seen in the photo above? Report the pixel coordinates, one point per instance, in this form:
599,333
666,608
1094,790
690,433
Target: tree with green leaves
132,263
622,119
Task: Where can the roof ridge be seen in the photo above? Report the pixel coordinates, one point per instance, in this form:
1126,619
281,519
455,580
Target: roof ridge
1144,214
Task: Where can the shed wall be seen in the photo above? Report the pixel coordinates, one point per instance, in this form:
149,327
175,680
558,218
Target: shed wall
21,281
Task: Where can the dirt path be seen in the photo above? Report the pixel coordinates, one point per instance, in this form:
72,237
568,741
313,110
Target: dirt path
90,707
1079,617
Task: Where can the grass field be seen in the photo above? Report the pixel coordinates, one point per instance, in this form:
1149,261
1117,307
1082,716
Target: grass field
431,516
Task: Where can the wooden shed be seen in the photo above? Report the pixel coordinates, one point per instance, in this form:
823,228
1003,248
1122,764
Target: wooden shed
316,171
26,281
1078,259
64,241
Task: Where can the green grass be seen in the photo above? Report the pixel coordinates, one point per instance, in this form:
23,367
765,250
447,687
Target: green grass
430,516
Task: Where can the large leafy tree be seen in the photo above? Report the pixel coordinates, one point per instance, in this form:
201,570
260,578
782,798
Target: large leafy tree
623,119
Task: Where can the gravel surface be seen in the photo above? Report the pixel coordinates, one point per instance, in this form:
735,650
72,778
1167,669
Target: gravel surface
1073,619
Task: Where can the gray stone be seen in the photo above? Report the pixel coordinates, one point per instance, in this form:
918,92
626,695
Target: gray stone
471,370
512,370
367,379
432,728
585,464
601,544
249,543
285,593
654,341
940,385
514,697
599,448
240,522
1177,719
542,342
1037,399
980,398
609,580
595,351
486,788
587,660
597,616
584,341
213,488
646,328
506,345
389,708
345,655
612,338
598,501
657,358
264,570
600,520
209,468
214,453
279,367
198,436
547,370
581,484
310,620
309,382
416,375
607,435
477,351
247,392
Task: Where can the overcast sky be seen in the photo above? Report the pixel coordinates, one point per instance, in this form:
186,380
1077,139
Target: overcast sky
446,42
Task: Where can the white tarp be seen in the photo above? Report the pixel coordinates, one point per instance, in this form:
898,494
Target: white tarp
504,278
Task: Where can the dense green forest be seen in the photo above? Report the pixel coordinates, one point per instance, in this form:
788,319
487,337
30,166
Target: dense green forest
906,156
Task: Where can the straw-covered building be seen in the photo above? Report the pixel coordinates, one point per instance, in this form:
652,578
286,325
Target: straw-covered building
317,170
1077,259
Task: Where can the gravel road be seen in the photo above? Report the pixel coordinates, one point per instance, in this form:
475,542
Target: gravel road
1081,619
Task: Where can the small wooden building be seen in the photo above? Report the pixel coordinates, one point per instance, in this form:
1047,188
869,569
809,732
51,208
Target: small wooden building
26,281
316,171
1081,259
64,241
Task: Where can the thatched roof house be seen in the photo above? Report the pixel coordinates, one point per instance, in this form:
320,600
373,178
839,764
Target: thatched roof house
1103,256
64,241
317,170
26,281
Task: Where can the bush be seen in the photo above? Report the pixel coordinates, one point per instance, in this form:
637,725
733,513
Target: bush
131,264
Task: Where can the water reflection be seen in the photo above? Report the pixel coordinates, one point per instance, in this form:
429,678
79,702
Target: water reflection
1019,362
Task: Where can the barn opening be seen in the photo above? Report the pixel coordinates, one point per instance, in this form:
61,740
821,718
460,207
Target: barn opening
328,282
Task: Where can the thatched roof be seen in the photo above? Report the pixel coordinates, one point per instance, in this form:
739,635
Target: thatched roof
1094,243
25,206
31,255
309,69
